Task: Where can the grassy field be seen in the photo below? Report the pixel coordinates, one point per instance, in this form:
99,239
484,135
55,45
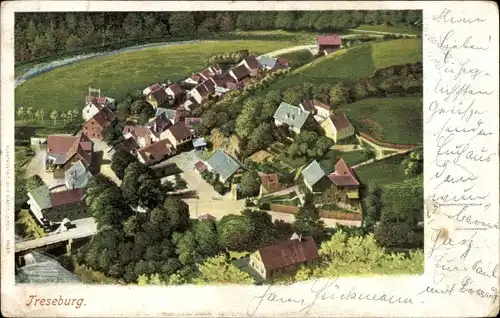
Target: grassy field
298,57
348,65
65,88
389,29
394,119
351,157
402,51
384,171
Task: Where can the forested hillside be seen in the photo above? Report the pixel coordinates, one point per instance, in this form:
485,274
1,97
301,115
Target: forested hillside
39,35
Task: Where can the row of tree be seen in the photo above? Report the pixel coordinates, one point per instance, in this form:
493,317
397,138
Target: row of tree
44,34
42,114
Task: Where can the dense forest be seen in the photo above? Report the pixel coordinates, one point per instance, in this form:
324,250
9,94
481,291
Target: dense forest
40,35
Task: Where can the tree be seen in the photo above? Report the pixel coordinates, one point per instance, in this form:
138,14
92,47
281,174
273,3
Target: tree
29,112
132,25
339,95
96,185
285,20
292,96
250,183
120,160
53,115
34,182
108,208
131,225
235,232
186,247
20,112
264,230
178,213
150,191
226,22
181,23
131,183
137,106
218,270
73,43
307,220
206,238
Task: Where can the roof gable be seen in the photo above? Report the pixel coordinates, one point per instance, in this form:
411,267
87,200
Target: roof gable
291,252
223,164
313,173
291,115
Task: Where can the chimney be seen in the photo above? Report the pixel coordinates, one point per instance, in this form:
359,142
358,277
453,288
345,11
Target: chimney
300,110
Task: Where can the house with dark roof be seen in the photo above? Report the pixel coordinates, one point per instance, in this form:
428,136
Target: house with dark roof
93,104
337,127
64,151
269,183
129,144
176,93
177,134
239,72
159,123
78,176
156,152
345,182
275,260
55,206
158,96
292,116
151,88
201,92
328,43
223,164
314,177
252,64
95,127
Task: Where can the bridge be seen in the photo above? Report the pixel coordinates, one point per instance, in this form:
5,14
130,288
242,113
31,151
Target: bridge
84,228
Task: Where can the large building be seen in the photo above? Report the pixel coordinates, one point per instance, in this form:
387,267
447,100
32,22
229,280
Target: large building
272,261
55,206
64,151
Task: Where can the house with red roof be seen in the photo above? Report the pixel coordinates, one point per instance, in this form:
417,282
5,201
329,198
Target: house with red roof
95,127
94,104
328,43
275,260
55,206
337,127
64,151
269,183
345,182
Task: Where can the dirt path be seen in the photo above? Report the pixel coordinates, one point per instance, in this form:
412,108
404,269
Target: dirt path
382,33
310,47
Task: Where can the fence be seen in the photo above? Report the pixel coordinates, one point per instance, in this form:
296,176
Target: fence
386,144
337,215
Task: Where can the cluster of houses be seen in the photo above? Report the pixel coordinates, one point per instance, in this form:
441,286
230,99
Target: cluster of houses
168,132
342,180
172,129
335,126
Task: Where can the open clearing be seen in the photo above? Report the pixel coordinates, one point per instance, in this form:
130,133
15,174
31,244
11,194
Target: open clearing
391,119
354,63
65,88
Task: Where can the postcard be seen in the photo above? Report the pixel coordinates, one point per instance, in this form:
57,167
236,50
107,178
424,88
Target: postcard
249,159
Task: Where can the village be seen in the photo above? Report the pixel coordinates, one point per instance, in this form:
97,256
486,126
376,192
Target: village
214,183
